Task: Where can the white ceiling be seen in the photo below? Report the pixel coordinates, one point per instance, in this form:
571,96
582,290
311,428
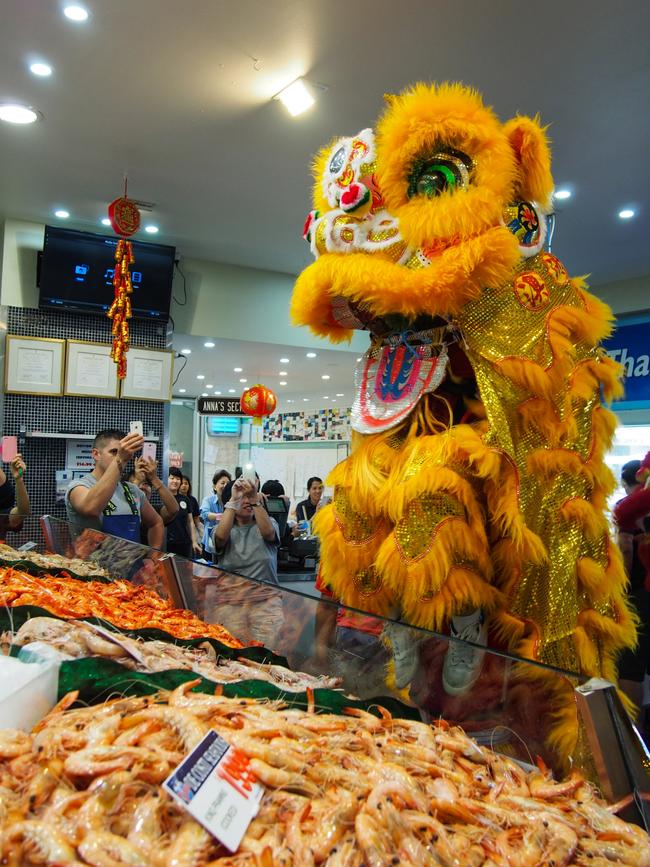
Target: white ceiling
260,362
178,95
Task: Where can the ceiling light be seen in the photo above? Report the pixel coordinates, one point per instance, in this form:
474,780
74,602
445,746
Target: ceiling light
306,399
40,69
209,386
204,394
243,380
209,344
626,214
238,369
182,390
200,376
151,230
186,351
311,355
289,401
217,392
61,214
282,373
326,397
358,360
340,394
283,382
284,361
562,194
325,376
76,13
106,221
296,98
232,391
14,113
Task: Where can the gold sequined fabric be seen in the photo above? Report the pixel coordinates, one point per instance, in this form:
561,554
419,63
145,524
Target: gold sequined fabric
416,531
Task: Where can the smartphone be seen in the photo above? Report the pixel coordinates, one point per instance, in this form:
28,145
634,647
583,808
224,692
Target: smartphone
149,451
136,427
248,473
9,448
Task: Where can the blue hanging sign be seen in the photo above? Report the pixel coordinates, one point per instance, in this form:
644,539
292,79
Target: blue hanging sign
630,346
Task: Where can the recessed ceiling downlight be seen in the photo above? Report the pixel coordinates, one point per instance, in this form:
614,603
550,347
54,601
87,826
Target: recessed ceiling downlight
13,112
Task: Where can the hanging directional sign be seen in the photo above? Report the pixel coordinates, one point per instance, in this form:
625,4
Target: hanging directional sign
218,406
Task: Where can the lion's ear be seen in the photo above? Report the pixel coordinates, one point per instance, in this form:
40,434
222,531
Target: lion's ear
528,141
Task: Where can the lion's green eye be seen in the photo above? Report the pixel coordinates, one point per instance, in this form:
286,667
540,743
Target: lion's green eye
446,170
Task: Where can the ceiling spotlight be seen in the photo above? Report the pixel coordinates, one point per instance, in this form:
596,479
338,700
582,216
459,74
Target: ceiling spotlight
204,394
209,386
311,355
326,397
217,392
232,391
340,394
296,98
151,230
209,344
289,401
200,376
76,13
562,194
61,214
282,373
283,382
284,361
626,214
358,360
238,369
186,351
325,376
306,399
243,380
106,221
40,69
14,113
182,390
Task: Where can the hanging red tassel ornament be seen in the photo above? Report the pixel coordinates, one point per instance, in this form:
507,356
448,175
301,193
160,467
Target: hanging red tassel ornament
258,401
120,310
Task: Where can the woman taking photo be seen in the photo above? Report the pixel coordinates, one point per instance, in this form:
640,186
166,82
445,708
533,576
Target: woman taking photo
212,509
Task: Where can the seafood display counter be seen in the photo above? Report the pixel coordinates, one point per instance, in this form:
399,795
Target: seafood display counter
157,653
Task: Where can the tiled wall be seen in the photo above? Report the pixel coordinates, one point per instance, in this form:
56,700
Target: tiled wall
80,414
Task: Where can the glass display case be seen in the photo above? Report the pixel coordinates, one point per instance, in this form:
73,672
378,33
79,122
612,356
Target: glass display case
512,707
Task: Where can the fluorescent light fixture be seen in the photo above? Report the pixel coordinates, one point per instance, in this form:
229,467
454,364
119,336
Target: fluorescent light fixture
284,361
186,351
75,13
12,112
61,214
626,214
283,382
105,221
182,390
151,230
209,344
238,369
40,69
200,376
325,376
562,194
296,98
311,355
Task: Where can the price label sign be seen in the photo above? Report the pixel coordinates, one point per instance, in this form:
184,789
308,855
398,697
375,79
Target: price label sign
217,787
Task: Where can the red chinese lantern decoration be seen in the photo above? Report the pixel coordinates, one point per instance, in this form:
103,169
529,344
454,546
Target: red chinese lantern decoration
258,401
125,220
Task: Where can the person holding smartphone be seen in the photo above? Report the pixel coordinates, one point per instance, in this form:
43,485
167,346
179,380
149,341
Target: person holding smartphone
182,538
14,499
100,500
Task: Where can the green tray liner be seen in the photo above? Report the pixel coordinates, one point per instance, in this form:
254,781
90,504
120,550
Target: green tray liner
100,679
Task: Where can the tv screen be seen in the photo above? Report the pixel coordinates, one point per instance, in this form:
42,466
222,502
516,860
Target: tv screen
76,274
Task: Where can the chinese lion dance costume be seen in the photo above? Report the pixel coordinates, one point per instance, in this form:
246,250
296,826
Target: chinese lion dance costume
476,481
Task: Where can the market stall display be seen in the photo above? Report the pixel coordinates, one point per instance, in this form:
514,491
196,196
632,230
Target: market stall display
119,602
51,563
74,640
353,789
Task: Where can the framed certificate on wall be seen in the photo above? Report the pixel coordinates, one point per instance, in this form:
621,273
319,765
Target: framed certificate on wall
148,374
90,371
34,365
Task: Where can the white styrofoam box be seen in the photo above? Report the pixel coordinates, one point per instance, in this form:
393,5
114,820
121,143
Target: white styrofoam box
27,692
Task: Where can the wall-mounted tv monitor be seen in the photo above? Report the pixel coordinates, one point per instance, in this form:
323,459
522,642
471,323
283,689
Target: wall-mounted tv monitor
76,274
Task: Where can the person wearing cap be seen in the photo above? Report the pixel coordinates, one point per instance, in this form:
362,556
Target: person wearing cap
14,499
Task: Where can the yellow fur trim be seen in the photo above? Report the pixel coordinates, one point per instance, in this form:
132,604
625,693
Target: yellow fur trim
528,140
541,415
583,513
